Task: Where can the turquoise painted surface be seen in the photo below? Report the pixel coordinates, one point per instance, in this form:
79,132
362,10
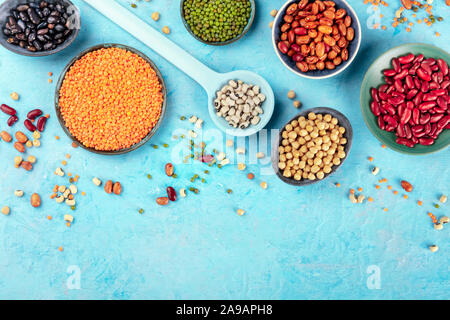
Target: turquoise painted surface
304,243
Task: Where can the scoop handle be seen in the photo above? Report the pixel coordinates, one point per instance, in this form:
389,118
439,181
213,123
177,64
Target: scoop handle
156,41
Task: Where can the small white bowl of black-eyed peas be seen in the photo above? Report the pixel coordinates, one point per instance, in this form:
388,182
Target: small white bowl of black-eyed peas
311,146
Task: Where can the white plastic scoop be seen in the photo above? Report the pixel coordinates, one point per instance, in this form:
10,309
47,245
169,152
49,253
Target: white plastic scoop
210,80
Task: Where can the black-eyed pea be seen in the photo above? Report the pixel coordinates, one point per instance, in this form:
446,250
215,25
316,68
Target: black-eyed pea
438,226
61,189
443,198
444,220
361,198
320,175
352,198
59,199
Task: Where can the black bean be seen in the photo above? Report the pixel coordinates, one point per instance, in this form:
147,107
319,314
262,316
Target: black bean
41,38
54,13
46,12
42,25
59,41
22,44
6,32
65,16
58,36
15,14
21,36
60,28
11,21
43,4
51,6
42,31
51,32
48,46
30,25
22,8
23,15
15,30
31,37
33,16
62,20
39,12
21,24
33,5
52,20
47,37
27,32
37,45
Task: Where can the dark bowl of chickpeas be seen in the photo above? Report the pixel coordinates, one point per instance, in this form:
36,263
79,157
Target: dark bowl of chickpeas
312,146
217,23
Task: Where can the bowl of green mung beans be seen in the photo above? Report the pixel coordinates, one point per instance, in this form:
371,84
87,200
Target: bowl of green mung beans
217,22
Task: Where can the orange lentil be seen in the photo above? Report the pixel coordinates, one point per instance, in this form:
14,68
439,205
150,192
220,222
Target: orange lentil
57,137
64,162
111,99
430,214
49,217
377,186
50,74
383,146
419,21
83,193
69,174
68,224
338,184
384,180
352,191
76,178
370,159
389,187
47,116
68,156
405,196
74,145
385,209
383,27
396,192
60,249
70,196
419,203
408,29
370,199
437,34
360,189
50,80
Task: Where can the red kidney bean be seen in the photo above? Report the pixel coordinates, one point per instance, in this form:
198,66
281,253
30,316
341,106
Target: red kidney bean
390,109
41,123
297,57
425,87
427,105
443,66
389,81
12,120
375,108
435,68
401,74
437,77
419,134
381,123
389,128
390,121
417,129
426,141
406,59
400,132
431,96
395,100
398,85
291,36
415,140
407,66
447,126
443,122
171,194
383,95
415,116
426,68
430,61
8,110
411,94
434,85
439,92
442,103
418,98
406,116
409,82
374,94
300,31
295,47
423,75
396,64
389,72
408,133
401,108
419,58
427,128
383,88
406,142
283,47
436,117
410,105
29,125
437,110
433,130
33,114
425,118
417,82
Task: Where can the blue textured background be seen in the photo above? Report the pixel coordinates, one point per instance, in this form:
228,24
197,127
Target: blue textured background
304,243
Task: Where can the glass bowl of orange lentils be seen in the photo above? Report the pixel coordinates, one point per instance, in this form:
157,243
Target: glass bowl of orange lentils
110,99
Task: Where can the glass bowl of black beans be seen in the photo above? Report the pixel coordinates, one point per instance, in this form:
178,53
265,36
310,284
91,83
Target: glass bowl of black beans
38,27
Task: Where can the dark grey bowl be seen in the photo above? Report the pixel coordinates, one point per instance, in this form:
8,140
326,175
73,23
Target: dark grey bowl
353,47
63,75
5,9
249,24
343,122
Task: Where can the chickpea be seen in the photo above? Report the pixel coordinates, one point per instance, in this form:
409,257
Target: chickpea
287,173
319,116
302,164
304,149
320,175
288,149
298,176
311,116
309,155
310,162
284,135
281,149
341,130
292,134
314,134
325,147
296,161
308,138
315,169
336,161
288,127
283,158
309,128
305,175
285,142
327,117
327,169
343,141
318,161
289,155
296,154
341,154
307,169
303,133
312,176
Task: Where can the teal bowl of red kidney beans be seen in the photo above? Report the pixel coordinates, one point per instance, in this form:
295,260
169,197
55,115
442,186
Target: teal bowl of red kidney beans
405,98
